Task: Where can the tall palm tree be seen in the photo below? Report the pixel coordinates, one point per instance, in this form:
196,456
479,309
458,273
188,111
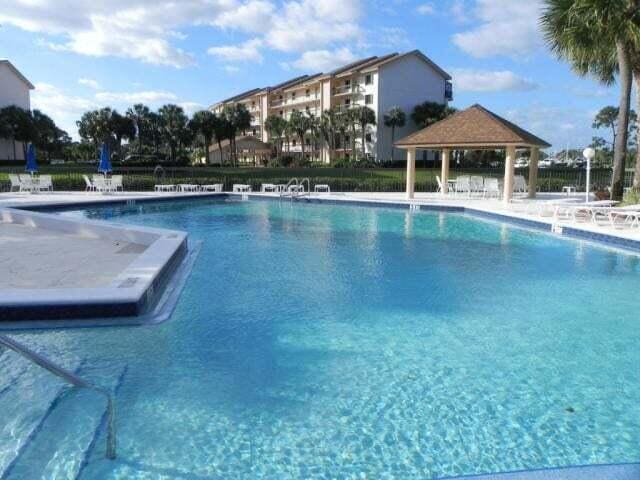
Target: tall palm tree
122,128
394,118
275,125
365,117
598,37
140,114
351,118
203,124
328,129
299,125
174,123
428,113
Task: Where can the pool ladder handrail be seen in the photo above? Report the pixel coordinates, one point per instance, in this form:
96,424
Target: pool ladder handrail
75,381
299,184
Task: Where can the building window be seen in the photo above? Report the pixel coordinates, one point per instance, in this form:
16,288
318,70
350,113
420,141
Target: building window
294,142
281,113
368,99
448,90
347,83
368,137
307,92
254,132
253,104
280,97
347,102
368,79
293,94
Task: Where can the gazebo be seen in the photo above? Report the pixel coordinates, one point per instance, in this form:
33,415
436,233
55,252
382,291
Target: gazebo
475,128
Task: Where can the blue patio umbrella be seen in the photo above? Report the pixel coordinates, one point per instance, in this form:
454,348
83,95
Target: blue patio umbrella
105,160
31,166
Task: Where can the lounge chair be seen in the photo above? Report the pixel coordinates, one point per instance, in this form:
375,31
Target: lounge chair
89,186
45,183
27,183
241,188
547,208
476,184
117,183
492,188
100,183
519,184
463,185
164,188
267,188
439,183
584,212
188,187
15,182
215,187
322,188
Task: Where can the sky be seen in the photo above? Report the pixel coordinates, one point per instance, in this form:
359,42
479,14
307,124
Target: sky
83,55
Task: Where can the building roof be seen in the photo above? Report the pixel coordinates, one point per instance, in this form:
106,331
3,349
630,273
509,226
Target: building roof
6,62
475,127
289,83
309,79
395,57
246,142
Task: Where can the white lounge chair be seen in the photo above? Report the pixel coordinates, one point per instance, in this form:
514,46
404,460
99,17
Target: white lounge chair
492,188
164,188
15,183
117,183
519,184
28,183
439,183
89,186
267,188
188,187
45,183
584,212
241,188
100,183
322,188
215,187
463,185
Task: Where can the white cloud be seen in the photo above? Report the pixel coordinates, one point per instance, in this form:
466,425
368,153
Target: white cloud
136,29
147,97
248,51
231,69
470,80
250,17
323,60
88,82
426,9
65,109
506,27
191,107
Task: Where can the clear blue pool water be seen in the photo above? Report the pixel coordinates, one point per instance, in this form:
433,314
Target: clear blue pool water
319,341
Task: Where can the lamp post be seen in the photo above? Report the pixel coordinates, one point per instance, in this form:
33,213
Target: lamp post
589,154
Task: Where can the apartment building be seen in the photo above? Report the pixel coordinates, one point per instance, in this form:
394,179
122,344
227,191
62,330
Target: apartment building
15,89
380,83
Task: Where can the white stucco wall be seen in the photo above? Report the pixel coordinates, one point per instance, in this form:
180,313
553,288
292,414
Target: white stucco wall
13,91
405,83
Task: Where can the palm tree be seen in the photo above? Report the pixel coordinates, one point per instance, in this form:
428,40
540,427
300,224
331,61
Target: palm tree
365,117
47,133
328,129
238,120
394,118
299,125
122,127
173,123
140,114
221,128
598,38
19,127
203,124
352,120
275,126
428,113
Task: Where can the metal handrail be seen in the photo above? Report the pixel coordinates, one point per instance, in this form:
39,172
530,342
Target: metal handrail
284,192
74,380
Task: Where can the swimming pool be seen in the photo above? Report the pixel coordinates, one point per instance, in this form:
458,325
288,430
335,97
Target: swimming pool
325,341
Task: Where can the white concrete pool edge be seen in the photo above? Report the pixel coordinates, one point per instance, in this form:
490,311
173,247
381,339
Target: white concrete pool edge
132,292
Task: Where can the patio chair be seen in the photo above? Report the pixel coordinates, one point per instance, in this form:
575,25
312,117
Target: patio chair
215,187
491,188
27,183
15,182
241,188
322,188
117,183
476,184
439,183
45,183
463,185
100,183
584,212
89,186
164,188
267,187
519,184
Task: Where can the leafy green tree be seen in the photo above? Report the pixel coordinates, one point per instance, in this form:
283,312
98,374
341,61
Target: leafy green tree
173,127
238,119
18,124
329,130
48,137
122,128
608,118
428,113
365,117
275,126
299,124
141,116
203,124
598,38
394,118
95,127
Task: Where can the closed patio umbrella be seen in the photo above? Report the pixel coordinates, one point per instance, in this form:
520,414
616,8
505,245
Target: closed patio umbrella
105,161
31,166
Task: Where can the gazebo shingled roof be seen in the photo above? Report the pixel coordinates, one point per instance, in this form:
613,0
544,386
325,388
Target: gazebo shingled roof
473,128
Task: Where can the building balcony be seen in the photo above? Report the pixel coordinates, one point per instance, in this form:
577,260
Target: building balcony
347,90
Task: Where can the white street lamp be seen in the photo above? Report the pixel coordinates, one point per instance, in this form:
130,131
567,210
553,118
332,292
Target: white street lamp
589,154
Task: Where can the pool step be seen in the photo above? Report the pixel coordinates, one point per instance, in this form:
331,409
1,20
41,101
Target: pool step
68,434
28,395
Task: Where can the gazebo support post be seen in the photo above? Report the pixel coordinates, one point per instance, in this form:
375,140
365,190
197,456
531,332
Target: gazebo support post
411,172
444,174
509,166
533,172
